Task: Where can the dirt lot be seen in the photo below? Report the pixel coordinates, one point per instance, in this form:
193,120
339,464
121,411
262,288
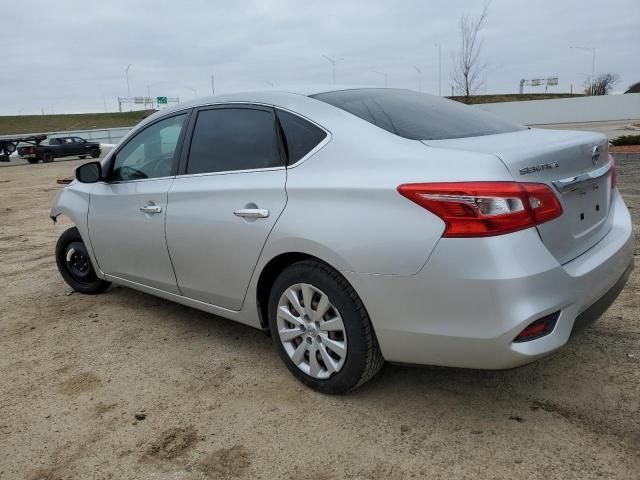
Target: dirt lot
125,385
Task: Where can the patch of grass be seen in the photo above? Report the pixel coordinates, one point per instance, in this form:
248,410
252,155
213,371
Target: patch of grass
515,97
625,140
11,125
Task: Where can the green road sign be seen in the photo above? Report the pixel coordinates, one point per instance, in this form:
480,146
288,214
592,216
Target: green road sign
162,100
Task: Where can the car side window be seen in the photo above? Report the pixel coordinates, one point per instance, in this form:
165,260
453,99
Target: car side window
150,154
78,140
228,139
68,141
301,136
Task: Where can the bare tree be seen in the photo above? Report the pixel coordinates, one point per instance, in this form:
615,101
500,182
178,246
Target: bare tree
467,65
601,85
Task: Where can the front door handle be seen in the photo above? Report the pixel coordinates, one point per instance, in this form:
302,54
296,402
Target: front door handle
151,208
251,213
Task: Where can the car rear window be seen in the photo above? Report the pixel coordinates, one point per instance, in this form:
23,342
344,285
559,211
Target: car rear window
417,116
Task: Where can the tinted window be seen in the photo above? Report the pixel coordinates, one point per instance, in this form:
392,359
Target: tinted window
301,136
416,115
54,141
150,153
227,139
78,140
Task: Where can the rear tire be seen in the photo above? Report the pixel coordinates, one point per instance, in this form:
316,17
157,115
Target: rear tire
33,160
82,157
74,264
47,157
340,338
95,153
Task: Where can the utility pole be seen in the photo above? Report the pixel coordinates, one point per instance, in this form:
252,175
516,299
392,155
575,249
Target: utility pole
213,90
439,69
333,66
126,74
593,65
419,77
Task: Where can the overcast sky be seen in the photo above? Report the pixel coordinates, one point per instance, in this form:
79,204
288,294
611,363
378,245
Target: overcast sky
67,56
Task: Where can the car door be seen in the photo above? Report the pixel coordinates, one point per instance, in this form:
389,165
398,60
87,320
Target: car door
68,147
224,203
127,211
80,146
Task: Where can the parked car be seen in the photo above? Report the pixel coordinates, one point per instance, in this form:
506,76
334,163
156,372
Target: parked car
51,148
357,226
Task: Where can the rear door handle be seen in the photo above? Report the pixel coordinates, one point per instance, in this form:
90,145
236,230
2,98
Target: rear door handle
151,208
251,213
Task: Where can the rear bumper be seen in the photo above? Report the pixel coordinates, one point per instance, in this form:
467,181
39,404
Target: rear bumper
474,296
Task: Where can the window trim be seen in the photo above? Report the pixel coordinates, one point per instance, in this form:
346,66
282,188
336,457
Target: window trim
184,159
176,156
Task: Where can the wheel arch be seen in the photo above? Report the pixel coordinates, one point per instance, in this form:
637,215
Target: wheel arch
270,272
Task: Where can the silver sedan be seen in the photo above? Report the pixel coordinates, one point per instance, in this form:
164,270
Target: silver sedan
357,225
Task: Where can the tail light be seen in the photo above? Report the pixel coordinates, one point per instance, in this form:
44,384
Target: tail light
614,175
30,150
484,209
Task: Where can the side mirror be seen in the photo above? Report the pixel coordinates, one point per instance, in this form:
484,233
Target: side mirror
89,172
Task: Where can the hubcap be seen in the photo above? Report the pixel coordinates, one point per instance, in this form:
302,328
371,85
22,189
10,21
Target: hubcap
78,263
311,331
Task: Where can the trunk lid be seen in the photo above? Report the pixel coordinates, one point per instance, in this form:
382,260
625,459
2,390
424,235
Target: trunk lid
574,164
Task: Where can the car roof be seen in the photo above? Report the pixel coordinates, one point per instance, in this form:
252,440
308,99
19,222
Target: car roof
274,95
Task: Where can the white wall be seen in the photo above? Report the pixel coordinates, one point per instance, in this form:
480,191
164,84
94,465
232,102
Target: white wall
569,110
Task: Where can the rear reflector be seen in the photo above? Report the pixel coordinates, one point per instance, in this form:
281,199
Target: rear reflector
484,209
539,328
614,175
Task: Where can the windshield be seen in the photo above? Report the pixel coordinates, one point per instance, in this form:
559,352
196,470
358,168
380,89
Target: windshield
417,116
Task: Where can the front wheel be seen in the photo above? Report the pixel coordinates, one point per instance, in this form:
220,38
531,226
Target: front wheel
321,328
95,153
74,264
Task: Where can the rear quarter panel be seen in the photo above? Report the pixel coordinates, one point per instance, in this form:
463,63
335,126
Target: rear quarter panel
343,206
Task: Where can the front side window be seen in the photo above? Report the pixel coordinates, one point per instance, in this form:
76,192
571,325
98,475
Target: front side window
228,139
150,154
416,115
78,140
300,135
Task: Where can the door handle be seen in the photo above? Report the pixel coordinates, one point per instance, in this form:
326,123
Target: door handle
151,208
251,213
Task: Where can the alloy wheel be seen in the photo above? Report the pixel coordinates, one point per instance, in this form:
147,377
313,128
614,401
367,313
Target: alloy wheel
311,331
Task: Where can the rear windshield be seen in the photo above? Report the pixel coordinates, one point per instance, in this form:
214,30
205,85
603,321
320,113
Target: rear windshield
416,115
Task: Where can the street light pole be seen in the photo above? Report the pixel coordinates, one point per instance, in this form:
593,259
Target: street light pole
126,74
419,77
213,90
333,66
386,77
439,69
593,64
194,90
149,90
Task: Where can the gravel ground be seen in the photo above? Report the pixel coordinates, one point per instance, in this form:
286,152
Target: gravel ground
128,386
